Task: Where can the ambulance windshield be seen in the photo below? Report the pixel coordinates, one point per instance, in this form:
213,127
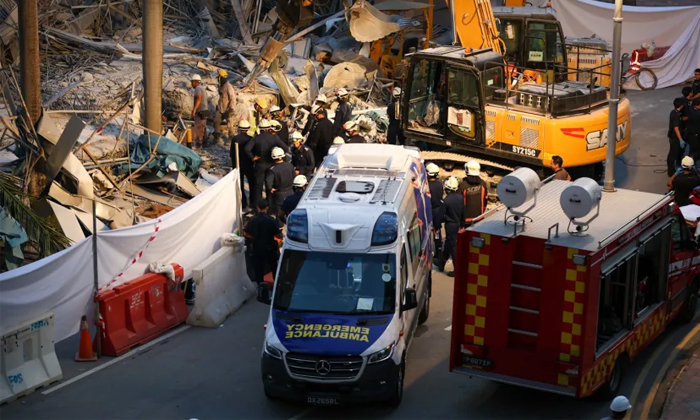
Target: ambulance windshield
336,283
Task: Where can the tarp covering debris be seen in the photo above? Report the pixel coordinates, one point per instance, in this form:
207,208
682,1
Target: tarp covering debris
167,151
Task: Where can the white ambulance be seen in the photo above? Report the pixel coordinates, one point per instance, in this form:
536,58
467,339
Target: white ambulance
353,281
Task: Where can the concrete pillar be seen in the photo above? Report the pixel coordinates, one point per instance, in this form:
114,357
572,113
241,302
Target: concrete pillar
30,75
153,63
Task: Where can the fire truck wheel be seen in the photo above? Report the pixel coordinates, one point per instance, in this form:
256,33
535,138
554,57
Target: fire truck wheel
610,388
691,303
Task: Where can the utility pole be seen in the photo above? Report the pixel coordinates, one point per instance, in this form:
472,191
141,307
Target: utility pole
609,185
152,63
30,77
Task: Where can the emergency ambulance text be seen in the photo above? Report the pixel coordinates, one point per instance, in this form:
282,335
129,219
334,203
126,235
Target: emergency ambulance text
342,332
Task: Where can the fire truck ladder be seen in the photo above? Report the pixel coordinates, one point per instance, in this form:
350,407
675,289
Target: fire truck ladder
525,298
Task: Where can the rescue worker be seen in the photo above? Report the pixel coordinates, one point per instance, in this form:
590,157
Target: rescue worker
275,128
454,220
693,129
618,408
256,115
675,136
226,108
436,192
321,102
321,137
262,232
696,85
684,182
557,165
302,156
276,114
291,202
394,134
279,180
351,135
247,168
200,111
474,191
260,152
343,113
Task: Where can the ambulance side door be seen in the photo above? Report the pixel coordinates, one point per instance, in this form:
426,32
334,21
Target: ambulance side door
407,316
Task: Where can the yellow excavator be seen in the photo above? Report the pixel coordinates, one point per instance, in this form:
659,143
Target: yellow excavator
474,101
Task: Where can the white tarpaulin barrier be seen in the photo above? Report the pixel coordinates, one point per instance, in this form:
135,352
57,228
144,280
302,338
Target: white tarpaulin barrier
222,285
28,359
679,62
583,18
63,282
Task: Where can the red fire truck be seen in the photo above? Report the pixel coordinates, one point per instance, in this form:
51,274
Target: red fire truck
545,301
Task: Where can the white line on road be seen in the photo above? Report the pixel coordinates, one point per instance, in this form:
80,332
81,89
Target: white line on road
302,414
117,360
449,328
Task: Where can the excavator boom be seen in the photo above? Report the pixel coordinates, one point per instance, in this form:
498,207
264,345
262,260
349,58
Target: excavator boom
475,24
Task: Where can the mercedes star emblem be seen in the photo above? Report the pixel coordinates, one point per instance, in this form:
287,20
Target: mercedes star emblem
323,367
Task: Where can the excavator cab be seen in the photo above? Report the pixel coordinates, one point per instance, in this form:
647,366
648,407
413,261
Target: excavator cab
534,39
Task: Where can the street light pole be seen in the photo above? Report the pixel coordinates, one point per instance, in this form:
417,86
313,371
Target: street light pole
615,76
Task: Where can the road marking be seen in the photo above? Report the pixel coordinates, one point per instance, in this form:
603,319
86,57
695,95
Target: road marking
302,414
645,372
449,328
657,381
117,360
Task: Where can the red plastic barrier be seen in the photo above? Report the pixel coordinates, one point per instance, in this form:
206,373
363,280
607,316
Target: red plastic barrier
140,310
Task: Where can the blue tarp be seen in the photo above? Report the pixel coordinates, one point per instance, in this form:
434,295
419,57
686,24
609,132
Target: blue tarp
187,161
13,234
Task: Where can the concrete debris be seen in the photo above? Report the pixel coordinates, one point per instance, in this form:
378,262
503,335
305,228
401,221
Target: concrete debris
347,75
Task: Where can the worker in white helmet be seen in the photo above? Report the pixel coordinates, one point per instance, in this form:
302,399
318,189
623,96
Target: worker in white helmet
200,111
321,137
395,134
302,156
474,191
343,113
291,202
223,123
260,151
279,179
683,183
351,135
247,169
436,191
454,220
618,408
277,115
321,102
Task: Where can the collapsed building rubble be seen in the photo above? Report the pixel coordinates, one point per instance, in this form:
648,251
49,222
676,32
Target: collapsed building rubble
90,152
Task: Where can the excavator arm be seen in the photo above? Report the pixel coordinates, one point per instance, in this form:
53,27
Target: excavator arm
475,25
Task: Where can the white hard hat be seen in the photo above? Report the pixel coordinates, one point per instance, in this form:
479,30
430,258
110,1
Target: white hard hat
276,125
342,92
277,153
299,181
274,108
196,77
451,184
687,162
244,124
620,404
472,168
349,126
338,140
296,136
321,98
396,91
264,123
432,169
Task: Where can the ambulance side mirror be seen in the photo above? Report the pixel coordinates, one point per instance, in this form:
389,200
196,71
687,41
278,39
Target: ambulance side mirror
410,300
264,293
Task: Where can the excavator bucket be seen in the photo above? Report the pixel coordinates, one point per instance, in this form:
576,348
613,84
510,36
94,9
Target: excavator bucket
368,24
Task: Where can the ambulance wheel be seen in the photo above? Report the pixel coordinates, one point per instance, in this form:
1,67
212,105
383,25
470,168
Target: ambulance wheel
691,304
425,312
612,386
397,396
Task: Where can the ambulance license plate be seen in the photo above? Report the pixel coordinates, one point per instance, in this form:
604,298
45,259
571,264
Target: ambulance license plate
477,361
322,401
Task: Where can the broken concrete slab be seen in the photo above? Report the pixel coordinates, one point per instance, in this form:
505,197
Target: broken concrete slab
63,146
85,220
346,75
176,179
68,221
156,197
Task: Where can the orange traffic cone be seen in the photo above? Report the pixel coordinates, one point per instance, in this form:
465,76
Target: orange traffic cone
85,353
